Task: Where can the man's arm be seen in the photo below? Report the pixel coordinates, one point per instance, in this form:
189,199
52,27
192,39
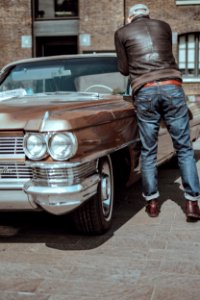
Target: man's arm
121,56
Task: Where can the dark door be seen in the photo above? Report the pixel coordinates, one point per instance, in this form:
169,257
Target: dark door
59,45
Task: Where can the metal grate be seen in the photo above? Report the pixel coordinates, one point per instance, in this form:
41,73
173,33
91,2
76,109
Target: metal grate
11,147
15,171
69,175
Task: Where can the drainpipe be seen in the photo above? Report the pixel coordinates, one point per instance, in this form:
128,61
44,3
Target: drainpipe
124,7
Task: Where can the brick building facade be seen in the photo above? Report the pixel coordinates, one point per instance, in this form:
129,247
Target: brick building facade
91,30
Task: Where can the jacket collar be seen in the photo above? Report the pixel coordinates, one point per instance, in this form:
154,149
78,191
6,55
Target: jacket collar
140,17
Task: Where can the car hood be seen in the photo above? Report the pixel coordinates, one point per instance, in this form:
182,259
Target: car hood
61,111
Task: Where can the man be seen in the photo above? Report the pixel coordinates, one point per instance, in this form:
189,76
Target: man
144,52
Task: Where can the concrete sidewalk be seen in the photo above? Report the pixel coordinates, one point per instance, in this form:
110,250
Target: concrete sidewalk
140,258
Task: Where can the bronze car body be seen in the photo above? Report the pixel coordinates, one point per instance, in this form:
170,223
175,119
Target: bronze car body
66,143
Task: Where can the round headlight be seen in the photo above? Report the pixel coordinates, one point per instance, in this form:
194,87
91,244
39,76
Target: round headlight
35,146
62,146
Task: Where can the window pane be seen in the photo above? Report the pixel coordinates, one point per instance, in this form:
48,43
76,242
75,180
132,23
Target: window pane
182,42
45,9
191,51
51,9
182,52
65,8
199,53
182,56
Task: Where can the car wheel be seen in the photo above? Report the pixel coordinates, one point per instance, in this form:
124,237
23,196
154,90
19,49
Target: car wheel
95,215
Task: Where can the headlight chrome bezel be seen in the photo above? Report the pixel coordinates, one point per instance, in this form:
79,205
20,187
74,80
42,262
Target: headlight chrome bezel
72,142
48,139
42,154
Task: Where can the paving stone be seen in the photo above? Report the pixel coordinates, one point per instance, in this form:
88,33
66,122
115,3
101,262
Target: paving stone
140,258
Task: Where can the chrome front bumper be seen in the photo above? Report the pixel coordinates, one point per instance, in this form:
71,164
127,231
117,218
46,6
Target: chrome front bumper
61,199
57,188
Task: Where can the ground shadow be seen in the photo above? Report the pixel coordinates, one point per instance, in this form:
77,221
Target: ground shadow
58,232
173,187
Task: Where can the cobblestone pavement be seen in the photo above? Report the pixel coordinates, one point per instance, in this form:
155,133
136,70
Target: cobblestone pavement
140,258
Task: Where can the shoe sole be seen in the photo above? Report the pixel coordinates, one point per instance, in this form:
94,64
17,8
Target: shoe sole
192,218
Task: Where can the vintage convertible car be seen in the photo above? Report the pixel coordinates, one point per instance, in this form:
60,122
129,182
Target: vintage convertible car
68,136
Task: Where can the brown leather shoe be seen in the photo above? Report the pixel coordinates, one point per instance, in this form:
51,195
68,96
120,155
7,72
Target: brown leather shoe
192,211
152,208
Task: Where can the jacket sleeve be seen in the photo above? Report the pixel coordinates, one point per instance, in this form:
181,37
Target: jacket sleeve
121,56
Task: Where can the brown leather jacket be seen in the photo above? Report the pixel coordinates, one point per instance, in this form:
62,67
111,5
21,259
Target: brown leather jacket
144,51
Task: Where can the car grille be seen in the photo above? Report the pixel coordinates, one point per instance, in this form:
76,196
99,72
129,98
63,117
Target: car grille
14,171
11,147
67,175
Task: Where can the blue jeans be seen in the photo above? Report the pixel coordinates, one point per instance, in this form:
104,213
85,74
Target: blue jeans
166,102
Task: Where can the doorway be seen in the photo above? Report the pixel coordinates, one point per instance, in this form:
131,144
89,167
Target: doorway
57,45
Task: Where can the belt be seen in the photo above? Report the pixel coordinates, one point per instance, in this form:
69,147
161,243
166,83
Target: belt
164,82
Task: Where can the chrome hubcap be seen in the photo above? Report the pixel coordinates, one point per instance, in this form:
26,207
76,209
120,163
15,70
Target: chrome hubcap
106,190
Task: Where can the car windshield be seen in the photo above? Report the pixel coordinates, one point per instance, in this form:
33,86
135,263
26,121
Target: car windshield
88,74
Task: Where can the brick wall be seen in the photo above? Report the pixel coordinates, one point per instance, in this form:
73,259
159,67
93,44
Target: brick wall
15,21
99,18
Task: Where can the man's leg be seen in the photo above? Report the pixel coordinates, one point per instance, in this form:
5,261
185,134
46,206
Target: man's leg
149,136
177,121
148,123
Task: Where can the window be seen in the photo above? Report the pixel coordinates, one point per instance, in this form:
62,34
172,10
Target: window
189,54
54,9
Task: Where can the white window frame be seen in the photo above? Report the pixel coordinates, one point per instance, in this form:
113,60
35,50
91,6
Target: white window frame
189,56
187,2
